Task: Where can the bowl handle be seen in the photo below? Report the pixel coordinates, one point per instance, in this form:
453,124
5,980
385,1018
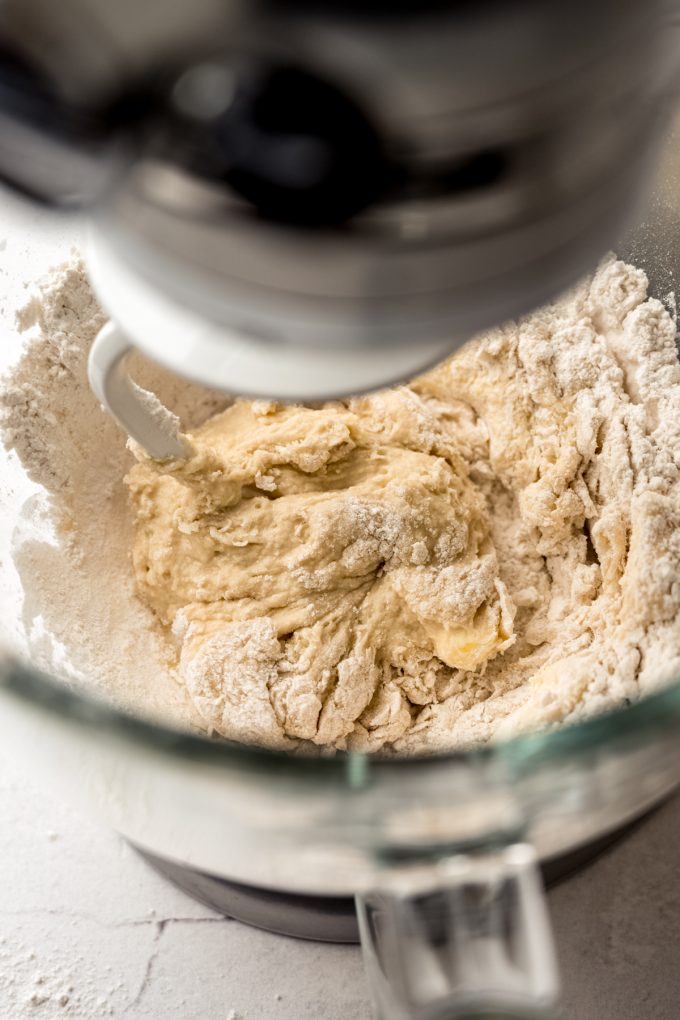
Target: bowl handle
465,937
138,411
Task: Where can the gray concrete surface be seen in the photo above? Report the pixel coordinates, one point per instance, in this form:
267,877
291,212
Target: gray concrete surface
617,927
88,930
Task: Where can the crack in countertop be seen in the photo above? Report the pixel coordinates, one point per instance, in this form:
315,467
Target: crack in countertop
126,923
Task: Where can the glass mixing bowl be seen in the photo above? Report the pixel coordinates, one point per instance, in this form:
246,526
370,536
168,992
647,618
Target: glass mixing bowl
440,853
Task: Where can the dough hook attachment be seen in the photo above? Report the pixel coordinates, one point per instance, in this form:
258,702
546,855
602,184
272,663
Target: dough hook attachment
138,411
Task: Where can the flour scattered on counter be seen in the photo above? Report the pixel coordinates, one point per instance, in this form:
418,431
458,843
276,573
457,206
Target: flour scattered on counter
492,548
54,987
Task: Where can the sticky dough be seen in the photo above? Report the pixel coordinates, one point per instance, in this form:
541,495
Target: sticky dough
435,565
321,567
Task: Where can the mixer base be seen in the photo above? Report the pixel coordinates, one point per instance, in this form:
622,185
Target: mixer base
325,918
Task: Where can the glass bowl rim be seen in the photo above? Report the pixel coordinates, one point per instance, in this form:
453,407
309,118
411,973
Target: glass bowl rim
42,691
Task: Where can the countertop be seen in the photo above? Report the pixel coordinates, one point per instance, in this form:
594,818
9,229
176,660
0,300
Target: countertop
87,929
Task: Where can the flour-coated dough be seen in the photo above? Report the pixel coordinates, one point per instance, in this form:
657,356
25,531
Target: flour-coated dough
322,567
432,566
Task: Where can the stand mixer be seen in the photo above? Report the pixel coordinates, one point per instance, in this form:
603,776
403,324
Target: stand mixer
302,201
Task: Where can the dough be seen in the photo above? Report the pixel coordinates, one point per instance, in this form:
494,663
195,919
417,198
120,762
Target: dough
325,568
434,565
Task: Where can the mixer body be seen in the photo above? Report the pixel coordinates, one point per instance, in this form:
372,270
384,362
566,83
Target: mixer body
337,180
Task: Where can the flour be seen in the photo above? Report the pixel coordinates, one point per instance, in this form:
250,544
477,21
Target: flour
566,425
165,421
72,540
52,984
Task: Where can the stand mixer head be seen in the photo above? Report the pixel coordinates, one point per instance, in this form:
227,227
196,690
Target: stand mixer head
303,200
